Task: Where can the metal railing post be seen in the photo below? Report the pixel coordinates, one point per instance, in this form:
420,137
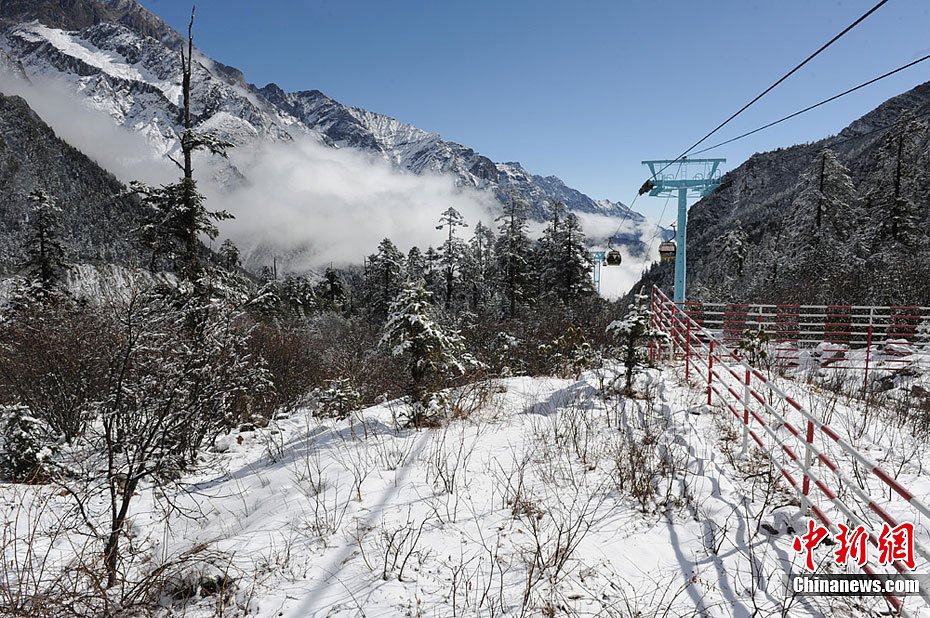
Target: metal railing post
653,323
710,373
745,448
687,347
868,353
808,458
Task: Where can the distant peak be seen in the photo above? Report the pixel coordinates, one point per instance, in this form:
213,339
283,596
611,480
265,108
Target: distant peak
74,15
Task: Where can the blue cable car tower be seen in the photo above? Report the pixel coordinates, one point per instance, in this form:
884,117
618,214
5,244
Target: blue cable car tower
696,184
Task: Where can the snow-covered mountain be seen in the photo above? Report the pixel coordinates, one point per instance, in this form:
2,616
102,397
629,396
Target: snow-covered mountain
124,60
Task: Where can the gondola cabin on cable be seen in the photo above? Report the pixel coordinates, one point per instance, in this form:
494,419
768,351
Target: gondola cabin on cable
613,258
667,250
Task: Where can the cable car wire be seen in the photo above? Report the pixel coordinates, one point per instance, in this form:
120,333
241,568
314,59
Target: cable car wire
816,105
813,55
823,47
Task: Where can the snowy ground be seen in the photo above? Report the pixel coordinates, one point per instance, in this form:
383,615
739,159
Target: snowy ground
545,499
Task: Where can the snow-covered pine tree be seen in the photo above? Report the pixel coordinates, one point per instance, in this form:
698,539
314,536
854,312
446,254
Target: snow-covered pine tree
513,252
331,291
412,332
45,265
575,264
563,260
338,399
897,248
416,265
177,212
452,250
545,260
229,255
431,273
479,268
894,193
26,446
384,279
634,330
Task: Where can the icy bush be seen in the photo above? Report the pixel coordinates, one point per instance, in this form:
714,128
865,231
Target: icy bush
27,446
337,399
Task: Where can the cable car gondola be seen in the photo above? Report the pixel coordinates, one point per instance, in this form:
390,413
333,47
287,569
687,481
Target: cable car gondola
613,258
667,250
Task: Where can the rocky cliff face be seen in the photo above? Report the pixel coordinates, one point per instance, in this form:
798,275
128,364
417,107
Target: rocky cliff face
759,237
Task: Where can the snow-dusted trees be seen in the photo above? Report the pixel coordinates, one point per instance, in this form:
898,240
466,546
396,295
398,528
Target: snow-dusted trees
479,268
170,388
413,333
823,240
177,213
563,262
135,386
416,265
574,266
229,255
45,265
632,332
513,251
452,250
384,279
893,200
25,443
331,292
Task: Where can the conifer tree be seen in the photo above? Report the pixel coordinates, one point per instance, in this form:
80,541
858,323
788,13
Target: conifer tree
546,253
452,250
478,267
513,250
898,255
177,212
894,192
384,279
431,260
416,265
331,290
413,332
634,330
45,265
824,237
563,260
574,265
229,255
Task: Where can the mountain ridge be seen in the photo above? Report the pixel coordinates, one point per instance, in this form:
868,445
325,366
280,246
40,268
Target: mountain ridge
122,58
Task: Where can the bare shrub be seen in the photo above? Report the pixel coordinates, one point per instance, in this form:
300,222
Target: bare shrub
50,362
554,535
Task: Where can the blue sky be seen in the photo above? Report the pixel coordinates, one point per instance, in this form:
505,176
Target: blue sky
583,90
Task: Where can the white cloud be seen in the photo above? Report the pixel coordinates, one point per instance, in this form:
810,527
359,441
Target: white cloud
338,202
126,154
313,203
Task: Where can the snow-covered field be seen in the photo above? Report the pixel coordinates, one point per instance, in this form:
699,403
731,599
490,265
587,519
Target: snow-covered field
545,498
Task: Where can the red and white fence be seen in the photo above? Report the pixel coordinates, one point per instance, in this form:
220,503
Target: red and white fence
861,338
823,468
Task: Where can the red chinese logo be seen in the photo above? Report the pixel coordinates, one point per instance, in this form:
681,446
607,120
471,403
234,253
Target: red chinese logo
893,544
897,544
809,542
851,545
